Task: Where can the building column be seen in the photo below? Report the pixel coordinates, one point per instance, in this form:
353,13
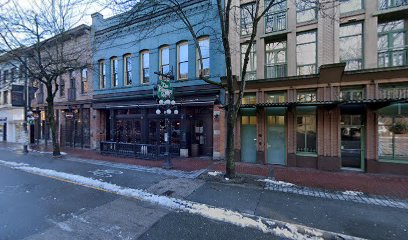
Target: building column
219,135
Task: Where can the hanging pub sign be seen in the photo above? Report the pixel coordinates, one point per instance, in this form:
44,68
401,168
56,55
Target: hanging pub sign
165,90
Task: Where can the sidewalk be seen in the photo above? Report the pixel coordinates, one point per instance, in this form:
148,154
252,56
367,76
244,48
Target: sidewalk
395,186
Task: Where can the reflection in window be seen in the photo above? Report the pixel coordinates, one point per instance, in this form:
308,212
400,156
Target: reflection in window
247,16
385,4
351,46
251,67
114,71
127,62
306,97
249,98
205,51
393,138
248,120
164,60
351,94
306,134
145,67
182,61
350,5
275,59
392,45
306,53
305,11
62,86
275,18
394,92
275,97
84,80
102,74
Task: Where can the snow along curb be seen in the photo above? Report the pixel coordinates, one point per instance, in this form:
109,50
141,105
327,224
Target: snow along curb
277,228
352,196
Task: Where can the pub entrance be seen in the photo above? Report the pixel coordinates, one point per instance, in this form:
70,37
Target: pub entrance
144,129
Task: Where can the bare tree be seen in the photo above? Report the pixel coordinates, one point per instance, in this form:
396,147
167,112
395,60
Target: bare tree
228,18
46,34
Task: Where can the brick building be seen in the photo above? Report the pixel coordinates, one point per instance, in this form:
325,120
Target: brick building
73,101
327,88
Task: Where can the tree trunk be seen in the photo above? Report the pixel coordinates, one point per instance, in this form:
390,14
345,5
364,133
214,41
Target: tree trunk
52,124
229,150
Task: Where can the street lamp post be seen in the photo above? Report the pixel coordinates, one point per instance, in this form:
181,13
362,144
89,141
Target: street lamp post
166,107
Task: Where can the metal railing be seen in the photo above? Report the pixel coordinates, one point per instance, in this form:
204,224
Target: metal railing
140,151
394,93
250,75
386,4
393,58
276,21
276,71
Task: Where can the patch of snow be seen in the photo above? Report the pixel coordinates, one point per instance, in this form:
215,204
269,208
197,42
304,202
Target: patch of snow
42,152
352,193
278,183
62,226
214,174
282,229
105,173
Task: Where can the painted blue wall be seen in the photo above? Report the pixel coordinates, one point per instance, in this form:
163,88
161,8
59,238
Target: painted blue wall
133,40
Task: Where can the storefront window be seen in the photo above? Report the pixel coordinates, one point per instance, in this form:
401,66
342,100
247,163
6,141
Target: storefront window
306,134
393,138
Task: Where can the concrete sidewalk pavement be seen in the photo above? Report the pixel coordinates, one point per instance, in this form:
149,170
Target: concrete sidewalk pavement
395,186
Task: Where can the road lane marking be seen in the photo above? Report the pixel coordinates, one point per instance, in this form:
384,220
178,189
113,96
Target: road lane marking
275,227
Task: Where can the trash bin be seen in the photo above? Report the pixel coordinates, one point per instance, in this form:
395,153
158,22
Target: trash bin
194,150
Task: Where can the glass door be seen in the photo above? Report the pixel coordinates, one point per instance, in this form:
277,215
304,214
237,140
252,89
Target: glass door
352,136
276,140
248,139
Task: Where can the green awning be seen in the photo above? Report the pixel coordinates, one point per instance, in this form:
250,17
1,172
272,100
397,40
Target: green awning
306,110
248,111
394,109
276,111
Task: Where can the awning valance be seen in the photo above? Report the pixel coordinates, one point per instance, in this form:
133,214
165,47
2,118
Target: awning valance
394,109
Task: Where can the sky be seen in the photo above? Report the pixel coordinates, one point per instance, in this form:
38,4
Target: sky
94,6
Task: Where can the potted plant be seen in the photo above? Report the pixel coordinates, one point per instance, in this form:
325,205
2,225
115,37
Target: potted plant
399,128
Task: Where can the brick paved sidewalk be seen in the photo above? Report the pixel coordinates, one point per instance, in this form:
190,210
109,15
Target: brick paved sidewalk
376,184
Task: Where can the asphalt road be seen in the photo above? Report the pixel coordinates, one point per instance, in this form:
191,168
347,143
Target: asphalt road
39,207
